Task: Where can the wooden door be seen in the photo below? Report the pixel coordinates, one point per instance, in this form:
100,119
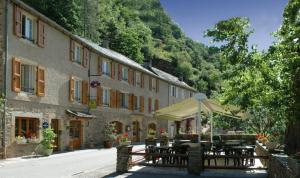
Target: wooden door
54,126
75,134
135,131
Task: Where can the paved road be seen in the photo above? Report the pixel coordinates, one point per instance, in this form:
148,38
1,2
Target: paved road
64,165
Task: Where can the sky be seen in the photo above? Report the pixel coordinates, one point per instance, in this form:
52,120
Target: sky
196,16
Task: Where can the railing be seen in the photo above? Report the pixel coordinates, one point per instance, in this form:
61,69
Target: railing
143,158
238,161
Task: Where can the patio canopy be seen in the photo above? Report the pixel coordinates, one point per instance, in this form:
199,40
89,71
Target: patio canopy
190,107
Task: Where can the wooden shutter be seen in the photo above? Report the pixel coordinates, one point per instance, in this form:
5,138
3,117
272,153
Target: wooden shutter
17,21
130,101
85,90
99,66
134,100
40,84
86,56
41,33
71,89
150,83
133,77
142,80
130,76
156,105
72,50
99,99
157,85
112,98
118,99
112,70
149,105
16,75
119,72
142,104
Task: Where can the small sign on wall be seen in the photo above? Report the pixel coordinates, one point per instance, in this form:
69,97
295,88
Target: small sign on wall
45,125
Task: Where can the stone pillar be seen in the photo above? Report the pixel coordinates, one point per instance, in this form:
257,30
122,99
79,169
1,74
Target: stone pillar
195,165
123,158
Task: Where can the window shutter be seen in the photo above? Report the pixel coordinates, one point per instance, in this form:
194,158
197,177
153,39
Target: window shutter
150,83
112,70
112,98
142,104
40,84
99,96
17,21
149,105
86,56
157,85
142,80
130,101
133,78
72,50
129,76
156,105
71,92
85,92
134,98
119,72
99,67
41,33
118,99
16,75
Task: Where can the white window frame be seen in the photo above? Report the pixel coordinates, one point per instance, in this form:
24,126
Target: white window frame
78,51
138,78
27,27
28,78
106,67
106,99
77,90
153,105
137,103
173,91
124,73
182,93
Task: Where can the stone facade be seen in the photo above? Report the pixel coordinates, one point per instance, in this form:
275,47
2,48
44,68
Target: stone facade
54,58
278,167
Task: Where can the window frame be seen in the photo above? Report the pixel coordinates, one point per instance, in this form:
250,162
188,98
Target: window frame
124,103
76,60
173,91
137,103
153,83
124,70
31,80
27,18
138,79
105,67
78,90
19,129
106,103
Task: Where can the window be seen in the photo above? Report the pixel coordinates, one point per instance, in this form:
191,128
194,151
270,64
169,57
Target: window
153,104
106,68
136,103
182,93
28,81
77,90
26,127
27,28
173,91
153,84
191,94
138,79
78,54
106,97
124,100
124,73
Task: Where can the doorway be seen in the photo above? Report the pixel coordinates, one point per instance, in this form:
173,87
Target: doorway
55,126
135,131
75,134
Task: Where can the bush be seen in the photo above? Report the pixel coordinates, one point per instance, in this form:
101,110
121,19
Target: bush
48,138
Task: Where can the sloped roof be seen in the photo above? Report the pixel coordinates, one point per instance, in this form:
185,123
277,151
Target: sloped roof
171,78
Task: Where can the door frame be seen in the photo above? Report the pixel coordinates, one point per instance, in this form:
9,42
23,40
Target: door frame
55,122
71,142
137,137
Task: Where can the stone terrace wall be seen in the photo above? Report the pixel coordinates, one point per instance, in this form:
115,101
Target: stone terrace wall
278,167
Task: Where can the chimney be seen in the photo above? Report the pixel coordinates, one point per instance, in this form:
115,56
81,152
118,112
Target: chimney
105,43
181,78
148,63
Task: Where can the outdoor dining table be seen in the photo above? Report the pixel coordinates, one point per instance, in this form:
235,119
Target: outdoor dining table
232,143
243,151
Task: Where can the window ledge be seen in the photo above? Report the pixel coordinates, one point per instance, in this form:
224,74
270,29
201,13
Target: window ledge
29,42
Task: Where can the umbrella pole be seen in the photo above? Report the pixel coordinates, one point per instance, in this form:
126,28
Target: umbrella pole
211,127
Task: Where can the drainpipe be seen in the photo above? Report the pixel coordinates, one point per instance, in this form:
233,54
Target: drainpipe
4,75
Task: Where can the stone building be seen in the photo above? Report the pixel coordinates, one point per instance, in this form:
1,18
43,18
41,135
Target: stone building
53,77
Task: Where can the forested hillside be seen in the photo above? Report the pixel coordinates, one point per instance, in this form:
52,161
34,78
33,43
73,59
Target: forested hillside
140,30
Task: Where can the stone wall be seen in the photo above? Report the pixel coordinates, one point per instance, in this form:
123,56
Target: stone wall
2,29
278,167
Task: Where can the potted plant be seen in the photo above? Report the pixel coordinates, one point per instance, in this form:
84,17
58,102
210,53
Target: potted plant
294,163
21,140
47,142
109,135
124,139
272,143
164,139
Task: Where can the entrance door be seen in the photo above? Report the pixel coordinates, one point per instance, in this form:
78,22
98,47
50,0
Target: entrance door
54,126
135,131
75,134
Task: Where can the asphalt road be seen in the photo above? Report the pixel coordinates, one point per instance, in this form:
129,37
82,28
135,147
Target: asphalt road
64,165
